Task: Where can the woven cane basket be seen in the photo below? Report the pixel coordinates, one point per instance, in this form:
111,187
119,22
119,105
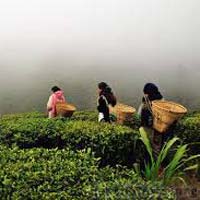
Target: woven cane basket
165,113
122,112
65,109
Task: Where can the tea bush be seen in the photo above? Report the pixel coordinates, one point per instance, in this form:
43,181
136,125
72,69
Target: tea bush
14,117
188,129
64,174
113,143
31,132
27,174
120,184
85,116
93,116
78,115
135,123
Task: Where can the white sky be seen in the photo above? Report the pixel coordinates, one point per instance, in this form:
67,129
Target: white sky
154,33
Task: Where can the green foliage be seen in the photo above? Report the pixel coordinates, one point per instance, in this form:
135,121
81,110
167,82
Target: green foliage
85,116
78,115
188,130
42,173
93,116
125,184
178,161
31,132
113,143
14,117
64,174
135,123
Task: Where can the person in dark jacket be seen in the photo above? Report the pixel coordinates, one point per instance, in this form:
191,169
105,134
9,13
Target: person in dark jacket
106,98
151,93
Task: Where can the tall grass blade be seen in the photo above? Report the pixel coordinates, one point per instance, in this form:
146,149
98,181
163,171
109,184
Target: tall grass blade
187,160
193,167
172,166
146,141
162,155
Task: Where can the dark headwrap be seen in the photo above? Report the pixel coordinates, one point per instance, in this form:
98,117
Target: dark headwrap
152,91
105,89
55,89
107,92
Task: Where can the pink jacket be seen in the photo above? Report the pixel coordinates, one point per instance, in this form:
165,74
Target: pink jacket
53,99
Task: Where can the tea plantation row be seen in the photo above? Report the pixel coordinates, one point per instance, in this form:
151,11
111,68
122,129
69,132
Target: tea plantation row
60,170
63,174
57,169
113,144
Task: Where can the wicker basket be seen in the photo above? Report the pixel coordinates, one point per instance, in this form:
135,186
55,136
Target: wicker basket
65,109
165,113
123,112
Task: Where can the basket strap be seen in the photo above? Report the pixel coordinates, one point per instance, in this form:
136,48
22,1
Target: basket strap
148,103
104,98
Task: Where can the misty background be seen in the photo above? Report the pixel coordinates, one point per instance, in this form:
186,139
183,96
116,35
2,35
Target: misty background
77,43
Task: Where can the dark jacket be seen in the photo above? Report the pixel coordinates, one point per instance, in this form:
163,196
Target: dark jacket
103,107
153,94
106,97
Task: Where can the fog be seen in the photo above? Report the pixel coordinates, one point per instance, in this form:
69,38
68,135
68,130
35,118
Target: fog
77,43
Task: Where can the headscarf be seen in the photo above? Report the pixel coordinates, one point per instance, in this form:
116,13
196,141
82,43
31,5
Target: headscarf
106,91
152,91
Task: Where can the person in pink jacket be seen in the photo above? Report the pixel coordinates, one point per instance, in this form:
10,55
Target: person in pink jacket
56,96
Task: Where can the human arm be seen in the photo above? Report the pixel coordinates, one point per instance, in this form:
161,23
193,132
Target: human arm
49,103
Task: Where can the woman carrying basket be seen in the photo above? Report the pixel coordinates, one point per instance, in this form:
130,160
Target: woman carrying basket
56,96
151,93
106,98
